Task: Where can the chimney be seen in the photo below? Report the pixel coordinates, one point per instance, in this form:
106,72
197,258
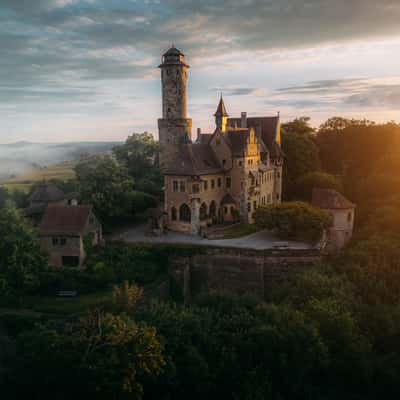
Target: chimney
243,122
198,134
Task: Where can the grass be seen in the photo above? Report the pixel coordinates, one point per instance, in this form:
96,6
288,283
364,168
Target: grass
240,230
63,171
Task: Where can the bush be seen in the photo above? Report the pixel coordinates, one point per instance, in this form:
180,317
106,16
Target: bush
293,220
312,180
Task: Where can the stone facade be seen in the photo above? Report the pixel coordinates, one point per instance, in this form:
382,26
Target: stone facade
239,270
223,176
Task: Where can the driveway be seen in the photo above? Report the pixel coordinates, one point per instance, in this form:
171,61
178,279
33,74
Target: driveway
262,240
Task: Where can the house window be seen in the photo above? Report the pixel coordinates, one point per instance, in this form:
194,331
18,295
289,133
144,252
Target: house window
205,185
175,186
54,241
212,184
228,182
219,182
248,207
182,186
63,241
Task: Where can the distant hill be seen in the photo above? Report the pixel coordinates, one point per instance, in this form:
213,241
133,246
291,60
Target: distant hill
23,157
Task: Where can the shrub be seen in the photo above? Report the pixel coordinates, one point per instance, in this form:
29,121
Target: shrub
293,220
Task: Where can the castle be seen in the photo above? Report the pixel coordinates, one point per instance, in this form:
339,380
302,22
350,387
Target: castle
222,176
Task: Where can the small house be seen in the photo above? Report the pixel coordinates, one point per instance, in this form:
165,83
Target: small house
63,232
342,211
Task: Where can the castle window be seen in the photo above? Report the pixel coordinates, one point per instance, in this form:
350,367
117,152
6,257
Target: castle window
169,109
254,205
182,186
226,210
212,184
54,241
196,188
175,186
232,210
240,162
223,162
184,213
228,182
269,198
219,182
277,196
173,214
63,241
248,207
205,185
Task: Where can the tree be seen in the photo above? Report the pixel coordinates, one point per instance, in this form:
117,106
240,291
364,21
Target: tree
21,259
98,356
301,157
126,296
140,156
298,126
318,179
293,220
105,184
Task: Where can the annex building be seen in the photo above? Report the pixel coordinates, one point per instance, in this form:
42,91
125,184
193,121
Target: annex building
221,176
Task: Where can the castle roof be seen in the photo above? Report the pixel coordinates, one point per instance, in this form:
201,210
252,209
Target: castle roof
64,220
221,110
173,51
194,159
46,192
204,138
267,128
237,138
330,199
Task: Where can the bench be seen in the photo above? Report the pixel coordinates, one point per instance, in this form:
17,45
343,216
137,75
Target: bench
67,293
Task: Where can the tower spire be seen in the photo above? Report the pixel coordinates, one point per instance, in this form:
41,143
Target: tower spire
221,116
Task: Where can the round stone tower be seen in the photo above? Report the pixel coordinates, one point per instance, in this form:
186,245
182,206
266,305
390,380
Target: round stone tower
174,128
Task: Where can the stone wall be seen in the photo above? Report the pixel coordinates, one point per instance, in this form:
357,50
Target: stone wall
239,270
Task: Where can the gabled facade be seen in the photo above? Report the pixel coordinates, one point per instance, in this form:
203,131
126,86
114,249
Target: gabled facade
223,176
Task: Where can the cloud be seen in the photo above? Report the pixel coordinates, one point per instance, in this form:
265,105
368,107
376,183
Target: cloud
239,91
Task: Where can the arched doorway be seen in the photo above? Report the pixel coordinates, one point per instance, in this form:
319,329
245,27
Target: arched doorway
184,213
203,212
213,209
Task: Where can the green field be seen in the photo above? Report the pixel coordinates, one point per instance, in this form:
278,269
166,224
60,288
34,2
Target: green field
63,171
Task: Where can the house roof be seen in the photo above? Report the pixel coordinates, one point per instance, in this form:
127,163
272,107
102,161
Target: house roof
64,220
194,159
46,192
330,199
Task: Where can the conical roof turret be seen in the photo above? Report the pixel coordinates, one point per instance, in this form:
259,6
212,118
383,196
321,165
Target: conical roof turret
221,110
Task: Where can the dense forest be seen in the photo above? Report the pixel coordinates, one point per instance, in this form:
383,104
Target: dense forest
330,332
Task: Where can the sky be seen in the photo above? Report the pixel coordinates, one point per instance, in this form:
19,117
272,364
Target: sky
77,70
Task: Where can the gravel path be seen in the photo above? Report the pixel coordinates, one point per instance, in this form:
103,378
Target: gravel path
258,241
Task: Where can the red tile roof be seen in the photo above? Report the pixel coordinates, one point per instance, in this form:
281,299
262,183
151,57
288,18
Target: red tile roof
330,199
64,220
